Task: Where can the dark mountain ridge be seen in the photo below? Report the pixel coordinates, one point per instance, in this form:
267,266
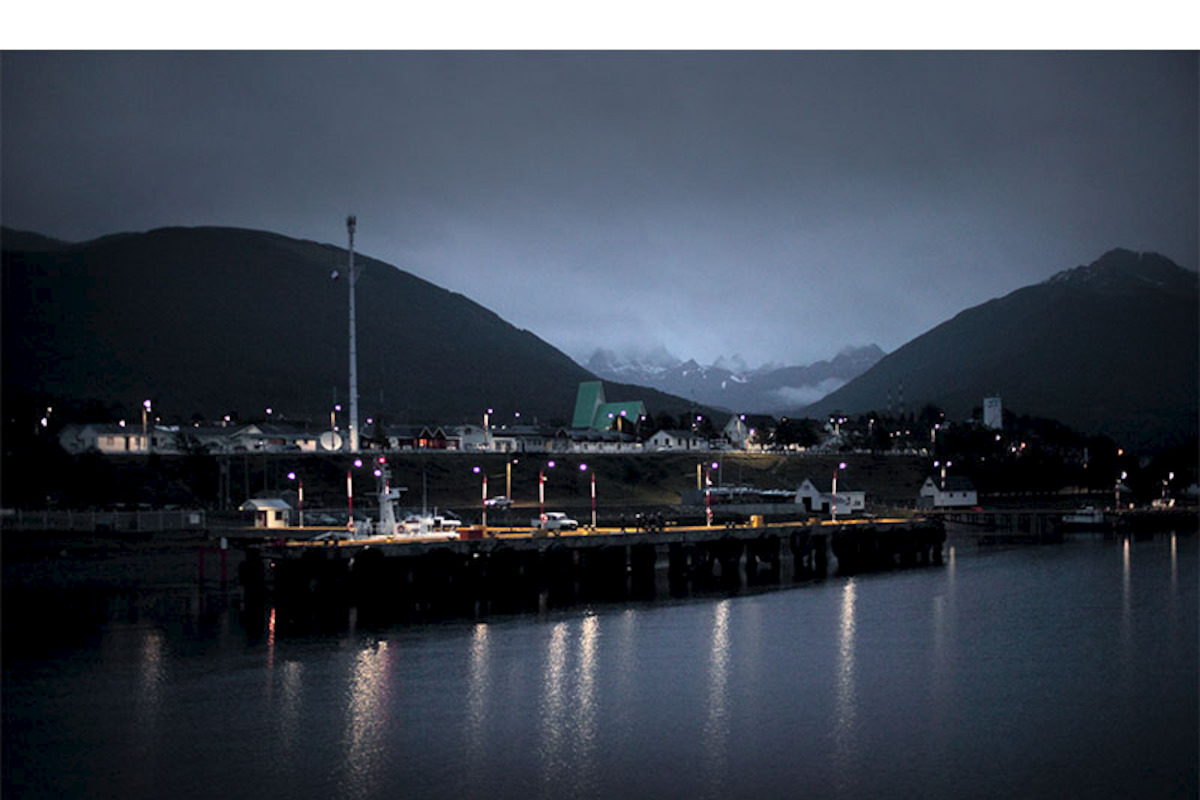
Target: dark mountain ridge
1108,348
212,320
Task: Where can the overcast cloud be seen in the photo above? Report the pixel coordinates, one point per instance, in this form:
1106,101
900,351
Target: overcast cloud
776,205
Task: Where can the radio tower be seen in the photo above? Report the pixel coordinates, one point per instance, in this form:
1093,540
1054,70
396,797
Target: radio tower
351,222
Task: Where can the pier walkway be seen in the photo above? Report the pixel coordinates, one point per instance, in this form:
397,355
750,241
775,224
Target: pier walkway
512,567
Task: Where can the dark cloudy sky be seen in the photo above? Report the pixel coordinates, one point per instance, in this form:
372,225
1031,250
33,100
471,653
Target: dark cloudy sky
780,206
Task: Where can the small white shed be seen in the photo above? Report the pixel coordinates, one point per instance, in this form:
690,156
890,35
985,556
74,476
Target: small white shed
268,513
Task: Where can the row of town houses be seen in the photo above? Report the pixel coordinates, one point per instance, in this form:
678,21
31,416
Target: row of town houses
122,439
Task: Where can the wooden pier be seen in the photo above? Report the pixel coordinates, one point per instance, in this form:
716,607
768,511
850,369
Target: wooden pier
513,571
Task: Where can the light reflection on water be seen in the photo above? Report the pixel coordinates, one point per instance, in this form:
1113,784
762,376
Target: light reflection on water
553,709
148,698
1174,564
478,688
844,726
288,709
587,708
1126,601
937,682
716,724
366,715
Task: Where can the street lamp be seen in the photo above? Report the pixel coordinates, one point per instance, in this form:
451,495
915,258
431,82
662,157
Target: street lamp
833,498
483,503
542,490
583,468
145,413
704,484
292,476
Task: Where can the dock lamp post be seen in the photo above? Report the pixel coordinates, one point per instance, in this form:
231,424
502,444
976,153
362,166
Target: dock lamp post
292,476
483,501
1170,477
1117,490
508,476
542,490
707,500
833,497
350,526
584,468
145,415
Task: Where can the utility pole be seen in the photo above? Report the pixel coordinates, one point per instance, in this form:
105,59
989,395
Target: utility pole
351,223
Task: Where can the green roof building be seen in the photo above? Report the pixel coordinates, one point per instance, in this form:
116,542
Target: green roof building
593,412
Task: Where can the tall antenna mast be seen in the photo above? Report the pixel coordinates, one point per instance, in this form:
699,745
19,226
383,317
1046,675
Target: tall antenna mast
351,223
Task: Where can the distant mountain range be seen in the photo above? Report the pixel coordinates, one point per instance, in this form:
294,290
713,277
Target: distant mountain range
1109,348
212,320
729,384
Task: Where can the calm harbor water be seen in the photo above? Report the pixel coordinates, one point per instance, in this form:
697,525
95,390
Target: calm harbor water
1052,671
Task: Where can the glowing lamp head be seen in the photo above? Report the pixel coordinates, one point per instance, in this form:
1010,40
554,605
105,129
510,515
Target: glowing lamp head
291,476
358,463
551,464
475,470
583,467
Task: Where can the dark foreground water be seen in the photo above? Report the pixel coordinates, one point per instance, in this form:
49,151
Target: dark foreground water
1057,671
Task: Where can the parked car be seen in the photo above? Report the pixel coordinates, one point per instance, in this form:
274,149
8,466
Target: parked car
553,521
498,502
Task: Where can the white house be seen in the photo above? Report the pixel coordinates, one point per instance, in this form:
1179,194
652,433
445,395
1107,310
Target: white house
958,492
268,513
677,440
813,499
109,439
